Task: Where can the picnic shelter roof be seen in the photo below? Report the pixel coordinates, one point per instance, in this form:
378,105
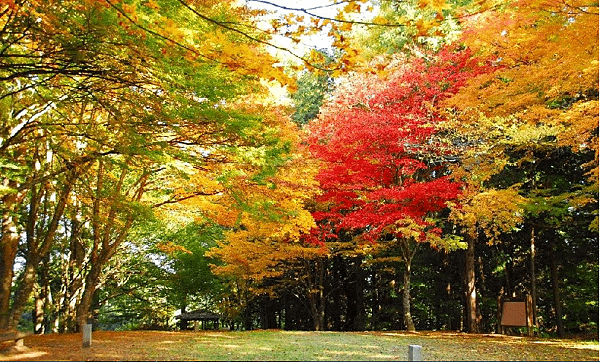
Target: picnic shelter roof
198,315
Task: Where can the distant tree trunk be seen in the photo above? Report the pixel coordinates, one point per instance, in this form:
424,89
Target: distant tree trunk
560,329
247,318
359,323
183,322
268,315
376,300
471,292
318,296
533,284
339,309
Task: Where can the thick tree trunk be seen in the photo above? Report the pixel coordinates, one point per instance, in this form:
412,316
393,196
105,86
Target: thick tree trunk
9,245
471,292
72,278
83,314
23,293
42,301
8,251
38,246
37,314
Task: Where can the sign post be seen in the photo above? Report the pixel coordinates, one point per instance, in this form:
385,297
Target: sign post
414,353
87,335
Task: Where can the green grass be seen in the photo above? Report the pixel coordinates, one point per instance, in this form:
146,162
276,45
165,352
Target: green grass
271,345
327,346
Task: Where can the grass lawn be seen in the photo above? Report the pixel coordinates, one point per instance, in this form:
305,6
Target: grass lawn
288,345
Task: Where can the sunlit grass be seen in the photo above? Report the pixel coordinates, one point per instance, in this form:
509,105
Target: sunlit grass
272,345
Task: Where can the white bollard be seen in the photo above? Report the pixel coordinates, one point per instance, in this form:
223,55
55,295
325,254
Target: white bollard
414,353
87,335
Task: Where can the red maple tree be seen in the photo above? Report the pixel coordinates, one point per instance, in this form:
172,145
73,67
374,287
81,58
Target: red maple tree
385,175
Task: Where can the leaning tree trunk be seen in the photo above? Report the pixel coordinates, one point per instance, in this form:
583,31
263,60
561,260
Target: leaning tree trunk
38,245
107,235
83,308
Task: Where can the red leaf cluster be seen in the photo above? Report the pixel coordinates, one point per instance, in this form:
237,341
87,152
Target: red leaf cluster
375,138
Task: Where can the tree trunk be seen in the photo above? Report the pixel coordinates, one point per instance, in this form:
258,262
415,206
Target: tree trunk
560,329
38,247
9,245
408,250
360,318
183,325
8,251
83,308
533,284
27,281
319,307
72,278
472,320
37,314
105,242
408,321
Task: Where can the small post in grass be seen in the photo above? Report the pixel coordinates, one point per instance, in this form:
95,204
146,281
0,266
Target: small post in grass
87,335
414,353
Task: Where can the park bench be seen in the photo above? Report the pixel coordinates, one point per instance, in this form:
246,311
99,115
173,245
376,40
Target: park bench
16,337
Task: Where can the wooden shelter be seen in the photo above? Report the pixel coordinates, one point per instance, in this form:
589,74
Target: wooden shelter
201,316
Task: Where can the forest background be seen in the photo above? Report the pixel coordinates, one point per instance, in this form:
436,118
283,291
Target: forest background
441,156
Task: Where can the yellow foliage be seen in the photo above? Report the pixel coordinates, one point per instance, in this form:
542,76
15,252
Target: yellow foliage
542,92
545,51
494,211
266,219
170,248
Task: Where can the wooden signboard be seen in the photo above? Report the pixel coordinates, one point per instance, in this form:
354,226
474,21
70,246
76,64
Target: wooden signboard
517,313
514,314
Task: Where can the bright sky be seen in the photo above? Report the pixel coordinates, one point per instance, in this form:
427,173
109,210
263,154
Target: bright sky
279,94
323,8
318,7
